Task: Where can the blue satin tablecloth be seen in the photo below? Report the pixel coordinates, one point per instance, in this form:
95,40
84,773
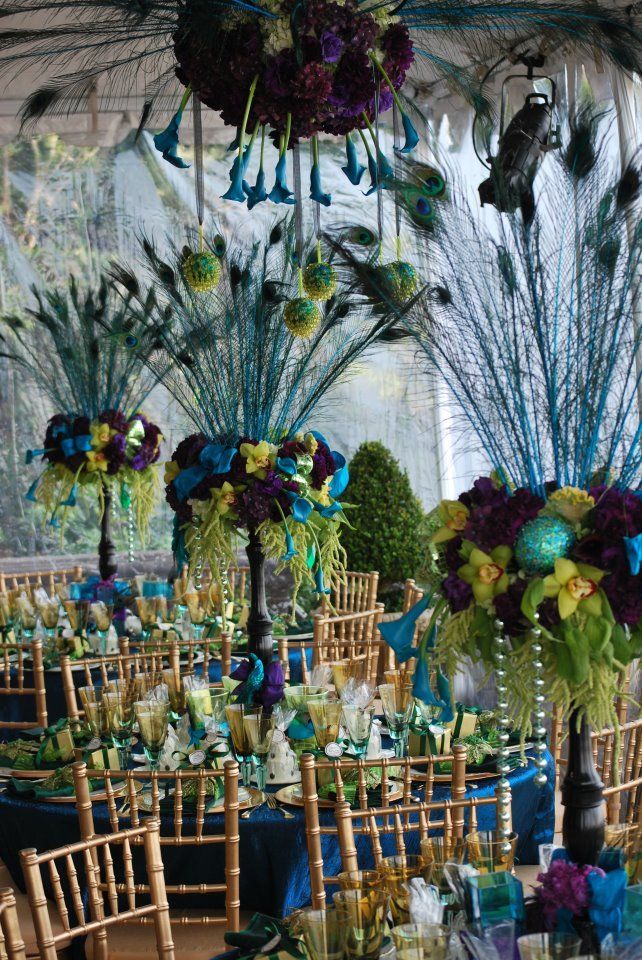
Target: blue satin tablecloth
273,852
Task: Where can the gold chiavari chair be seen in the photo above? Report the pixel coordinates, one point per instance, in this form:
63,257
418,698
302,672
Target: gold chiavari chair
413,775
12,945
39,578
401,822
352,593
112,903
15,661
352,636
197,934
193,654
623,780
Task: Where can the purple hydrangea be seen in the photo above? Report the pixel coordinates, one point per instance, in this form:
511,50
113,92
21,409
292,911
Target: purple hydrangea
564,886
458,593
331,46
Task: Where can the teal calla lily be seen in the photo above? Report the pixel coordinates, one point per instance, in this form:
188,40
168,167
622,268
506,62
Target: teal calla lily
167,143
353,169
290,550
319,582
316,190
341,477
412,137
301,509
383,170
31,455
280,192
31,492
257,193
71,499
235,190
633,548
286,465
329,510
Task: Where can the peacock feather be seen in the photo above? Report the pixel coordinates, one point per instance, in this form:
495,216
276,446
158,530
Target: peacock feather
61,344
537,337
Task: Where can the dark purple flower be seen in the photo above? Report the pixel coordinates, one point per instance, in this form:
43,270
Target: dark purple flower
116,420
115,453
564,886
508,608
499,518
397,46
187,451
271,690
331,46
280,73
322,465
458,593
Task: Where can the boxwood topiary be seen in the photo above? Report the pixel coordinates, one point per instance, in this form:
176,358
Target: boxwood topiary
386,519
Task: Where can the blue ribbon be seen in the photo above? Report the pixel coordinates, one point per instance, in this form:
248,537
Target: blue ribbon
214,458
79,444
633,547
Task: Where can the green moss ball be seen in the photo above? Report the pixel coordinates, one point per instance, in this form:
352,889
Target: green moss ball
301,317
202,271
319,281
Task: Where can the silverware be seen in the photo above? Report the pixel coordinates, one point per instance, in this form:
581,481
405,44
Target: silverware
274,804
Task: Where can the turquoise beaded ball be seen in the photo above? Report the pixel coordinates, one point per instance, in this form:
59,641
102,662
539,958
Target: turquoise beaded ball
301,317
541,542
319,281
398,279
202,271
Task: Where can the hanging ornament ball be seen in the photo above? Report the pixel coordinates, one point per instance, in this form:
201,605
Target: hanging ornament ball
319,281
541,542
398,280
202,271
301,317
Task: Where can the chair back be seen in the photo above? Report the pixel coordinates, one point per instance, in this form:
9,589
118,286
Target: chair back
623,781
351,636
406,771
87,868
12,945
401,822
352,593
122,666
185,808
14,663
191,653
47,579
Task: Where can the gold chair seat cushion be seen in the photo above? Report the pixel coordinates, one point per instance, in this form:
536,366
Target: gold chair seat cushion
192,941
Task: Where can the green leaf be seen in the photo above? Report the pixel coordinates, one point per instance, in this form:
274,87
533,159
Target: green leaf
467,547
573,658
598,633
533,596
622,649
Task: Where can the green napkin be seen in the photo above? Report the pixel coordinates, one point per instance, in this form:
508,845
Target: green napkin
18,753
265,932
213,789
59,784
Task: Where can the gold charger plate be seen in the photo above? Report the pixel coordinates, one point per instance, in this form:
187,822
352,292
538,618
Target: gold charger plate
248,797
95,795
293,796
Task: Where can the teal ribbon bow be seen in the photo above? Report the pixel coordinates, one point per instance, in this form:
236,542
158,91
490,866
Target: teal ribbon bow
214,458
79,444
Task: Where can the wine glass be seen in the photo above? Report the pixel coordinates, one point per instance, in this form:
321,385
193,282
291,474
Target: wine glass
168,610
364,914
324,933
396,871
26,616
236,714
78,614
326,720
259,730
152,717
197,607
174,684
398,704
6,615
488,852
147,609
358,724
120,718
102,614
95,712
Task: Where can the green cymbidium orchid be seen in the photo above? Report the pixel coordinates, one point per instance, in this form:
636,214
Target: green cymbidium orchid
486,573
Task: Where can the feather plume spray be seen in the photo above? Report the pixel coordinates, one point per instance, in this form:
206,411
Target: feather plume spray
537,339
96,385
110,42
66,354
250,387
228,358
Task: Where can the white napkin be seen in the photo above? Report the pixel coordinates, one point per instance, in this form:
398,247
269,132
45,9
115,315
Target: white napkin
358,692
424,903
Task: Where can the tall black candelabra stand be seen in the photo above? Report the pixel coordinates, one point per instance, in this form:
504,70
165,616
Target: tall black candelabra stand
582,796
259,624
107,566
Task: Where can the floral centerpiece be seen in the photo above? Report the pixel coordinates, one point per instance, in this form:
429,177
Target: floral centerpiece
287,493
111,451
567,562
253,473
97,440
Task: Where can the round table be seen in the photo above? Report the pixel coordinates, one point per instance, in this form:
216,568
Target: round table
273,851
